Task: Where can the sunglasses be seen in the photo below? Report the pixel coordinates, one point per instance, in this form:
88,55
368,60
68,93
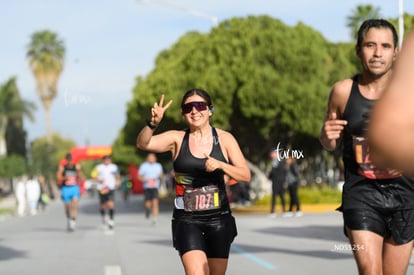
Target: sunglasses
199,105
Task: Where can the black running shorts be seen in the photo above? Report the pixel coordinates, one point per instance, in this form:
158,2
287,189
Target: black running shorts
103,198
150,194
384,207
213,236
397,223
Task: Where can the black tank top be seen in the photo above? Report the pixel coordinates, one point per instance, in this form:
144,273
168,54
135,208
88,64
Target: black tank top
364,187
190,171
355,151
71,174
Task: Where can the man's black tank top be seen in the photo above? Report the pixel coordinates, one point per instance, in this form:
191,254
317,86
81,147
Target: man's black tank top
190,172
355,150
373,186
71,174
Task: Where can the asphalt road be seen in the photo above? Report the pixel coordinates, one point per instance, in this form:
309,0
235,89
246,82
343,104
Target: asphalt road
40,245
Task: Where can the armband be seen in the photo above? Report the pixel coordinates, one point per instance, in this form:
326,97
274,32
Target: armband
150,125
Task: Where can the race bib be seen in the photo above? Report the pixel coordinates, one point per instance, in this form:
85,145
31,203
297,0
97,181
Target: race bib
201,199
366,168
152,183
104,190
70,180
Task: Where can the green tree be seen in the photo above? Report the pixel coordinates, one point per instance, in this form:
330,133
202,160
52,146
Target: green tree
123,154
45,155
46,53
12,166
16,137
408,23
269,82
12,107
359,15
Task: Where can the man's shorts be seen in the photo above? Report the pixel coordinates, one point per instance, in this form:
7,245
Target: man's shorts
397,223
68,193
385,207
109,196
150,194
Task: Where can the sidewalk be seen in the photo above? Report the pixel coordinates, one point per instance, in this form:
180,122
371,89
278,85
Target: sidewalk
305,208
7,206
8,201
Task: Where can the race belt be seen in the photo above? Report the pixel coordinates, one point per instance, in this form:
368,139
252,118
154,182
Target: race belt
201,199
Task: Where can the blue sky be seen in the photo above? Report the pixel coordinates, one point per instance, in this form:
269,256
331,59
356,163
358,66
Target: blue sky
110,42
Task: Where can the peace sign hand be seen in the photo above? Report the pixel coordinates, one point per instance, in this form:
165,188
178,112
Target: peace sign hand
157,111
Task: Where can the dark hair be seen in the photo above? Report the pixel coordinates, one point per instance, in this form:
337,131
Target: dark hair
68,156
106,157
375,23
198,92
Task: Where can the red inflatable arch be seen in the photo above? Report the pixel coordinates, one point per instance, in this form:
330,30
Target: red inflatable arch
88,152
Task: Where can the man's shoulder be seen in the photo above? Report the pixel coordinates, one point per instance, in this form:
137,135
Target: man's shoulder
143,165
340,93
342,86
100,167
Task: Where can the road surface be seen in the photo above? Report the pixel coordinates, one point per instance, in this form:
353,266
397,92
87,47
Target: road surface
40,245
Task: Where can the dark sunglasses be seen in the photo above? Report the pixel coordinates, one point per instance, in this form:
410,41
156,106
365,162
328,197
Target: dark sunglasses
199,105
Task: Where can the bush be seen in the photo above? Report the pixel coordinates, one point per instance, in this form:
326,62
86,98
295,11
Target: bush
319,194
6,211
311,195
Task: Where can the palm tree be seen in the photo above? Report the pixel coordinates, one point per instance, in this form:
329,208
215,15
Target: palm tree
11,107
359,15
46,53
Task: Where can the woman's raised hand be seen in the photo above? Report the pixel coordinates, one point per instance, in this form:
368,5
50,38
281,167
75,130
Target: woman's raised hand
157,111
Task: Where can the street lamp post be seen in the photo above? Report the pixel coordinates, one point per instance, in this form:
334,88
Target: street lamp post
400,22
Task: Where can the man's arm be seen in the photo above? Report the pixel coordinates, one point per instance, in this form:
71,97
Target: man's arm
80,173
140,174
161,175
333,123
59,175
117,177
391,128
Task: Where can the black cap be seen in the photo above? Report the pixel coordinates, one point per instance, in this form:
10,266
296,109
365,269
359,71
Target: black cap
106,157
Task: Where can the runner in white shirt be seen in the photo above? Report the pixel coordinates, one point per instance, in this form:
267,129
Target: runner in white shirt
108,180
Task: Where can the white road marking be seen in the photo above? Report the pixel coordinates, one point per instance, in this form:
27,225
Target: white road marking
112,270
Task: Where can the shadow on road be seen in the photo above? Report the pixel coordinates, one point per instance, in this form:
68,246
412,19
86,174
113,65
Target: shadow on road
7,253
135,204
321,253
333,233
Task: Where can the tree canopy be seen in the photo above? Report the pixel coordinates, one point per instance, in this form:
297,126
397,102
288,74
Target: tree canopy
45,155
12,109
269,82
45,54
359,15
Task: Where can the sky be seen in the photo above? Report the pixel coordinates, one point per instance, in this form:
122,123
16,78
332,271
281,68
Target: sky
111,42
